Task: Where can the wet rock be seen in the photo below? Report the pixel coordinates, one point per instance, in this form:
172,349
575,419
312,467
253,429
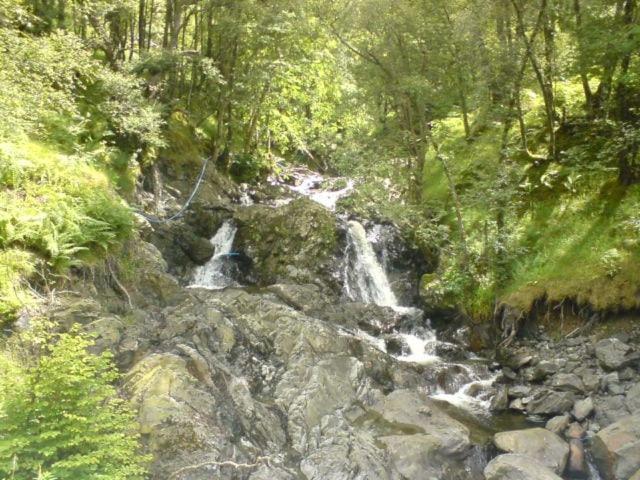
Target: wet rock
500,400
509,374
198,249
558,424
542,445
577,464
616,449
582,409
567,382
612,353
549,402
410,408
575,431
517,405
515,360
517,467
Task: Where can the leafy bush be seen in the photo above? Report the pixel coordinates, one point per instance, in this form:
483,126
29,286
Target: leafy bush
61,417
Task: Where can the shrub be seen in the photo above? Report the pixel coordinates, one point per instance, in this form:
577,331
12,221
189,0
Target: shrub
61,417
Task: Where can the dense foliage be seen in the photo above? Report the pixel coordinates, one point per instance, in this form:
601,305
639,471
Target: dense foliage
60,416
501,135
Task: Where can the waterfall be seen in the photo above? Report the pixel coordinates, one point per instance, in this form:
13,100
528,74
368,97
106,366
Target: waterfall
214,274
365,279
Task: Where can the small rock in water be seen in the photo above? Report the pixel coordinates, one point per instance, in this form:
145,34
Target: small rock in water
500,400
575,431
508,373
577,464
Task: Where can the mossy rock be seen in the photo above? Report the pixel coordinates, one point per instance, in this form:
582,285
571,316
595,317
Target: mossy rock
291,243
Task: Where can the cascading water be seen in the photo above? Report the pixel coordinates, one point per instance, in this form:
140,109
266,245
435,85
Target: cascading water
464,385
365,279
214,274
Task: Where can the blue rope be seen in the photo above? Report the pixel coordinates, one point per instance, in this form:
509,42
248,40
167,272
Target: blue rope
180,212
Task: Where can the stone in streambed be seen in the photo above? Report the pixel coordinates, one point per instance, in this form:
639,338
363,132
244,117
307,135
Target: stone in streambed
616,449
517,467
549,402
542,445
558,424
500,400
582,409
568,382
577,464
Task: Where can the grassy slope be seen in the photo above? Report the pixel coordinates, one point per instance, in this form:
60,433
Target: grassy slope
56,211
573,230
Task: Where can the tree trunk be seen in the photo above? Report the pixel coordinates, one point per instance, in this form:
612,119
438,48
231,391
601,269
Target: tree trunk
588,94
141,26
544,83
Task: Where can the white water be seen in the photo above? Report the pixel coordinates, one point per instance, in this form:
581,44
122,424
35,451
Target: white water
365,279
310,184
212,274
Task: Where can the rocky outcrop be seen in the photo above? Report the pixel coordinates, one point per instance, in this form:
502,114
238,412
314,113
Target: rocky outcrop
291,244
543,446
517,467
616,449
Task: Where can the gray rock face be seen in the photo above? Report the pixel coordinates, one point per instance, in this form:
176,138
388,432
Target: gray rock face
517,467
612,353
549,402
544,446
616,449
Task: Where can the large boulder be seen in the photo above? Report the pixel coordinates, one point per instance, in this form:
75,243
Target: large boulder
612,353
291,244
616,449
429,443
517,467
540,444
